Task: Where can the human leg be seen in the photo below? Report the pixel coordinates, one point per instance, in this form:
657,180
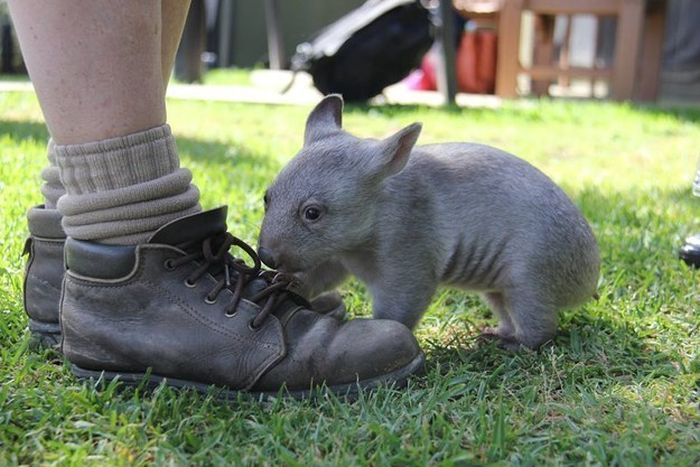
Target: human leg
103,82
143,292
44,272
173,16
63,68
101,90
97,79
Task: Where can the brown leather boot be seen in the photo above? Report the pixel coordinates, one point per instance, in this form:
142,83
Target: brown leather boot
43,275
181,309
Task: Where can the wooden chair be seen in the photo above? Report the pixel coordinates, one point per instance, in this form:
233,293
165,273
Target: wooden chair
634,73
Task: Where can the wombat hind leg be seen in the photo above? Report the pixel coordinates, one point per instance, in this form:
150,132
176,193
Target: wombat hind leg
505,329
534,322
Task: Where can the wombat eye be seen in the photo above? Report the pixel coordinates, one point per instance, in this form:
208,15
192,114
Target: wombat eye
312,213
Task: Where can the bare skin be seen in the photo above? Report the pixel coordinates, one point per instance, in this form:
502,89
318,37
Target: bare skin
173,15
100,68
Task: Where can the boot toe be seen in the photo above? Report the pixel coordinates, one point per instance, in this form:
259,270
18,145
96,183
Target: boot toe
330,304
360,352
373,348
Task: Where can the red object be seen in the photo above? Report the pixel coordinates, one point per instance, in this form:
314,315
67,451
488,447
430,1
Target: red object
476,62
423,78
475,65
429,82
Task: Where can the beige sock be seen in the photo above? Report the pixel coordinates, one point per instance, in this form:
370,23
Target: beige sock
121,190
52,189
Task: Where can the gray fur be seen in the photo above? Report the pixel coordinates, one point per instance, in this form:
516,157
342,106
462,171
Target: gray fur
406,219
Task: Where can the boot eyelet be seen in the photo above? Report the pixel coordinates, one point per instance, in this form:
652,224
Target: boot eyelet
208,301
168,264
252,327
190,284
231,314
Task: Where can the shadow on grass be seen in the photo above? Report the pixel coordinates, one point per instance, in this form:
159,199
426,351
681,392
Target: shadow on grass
636,206
637,231
218,155
24,130
684,114
589,351
541,110
619,339
212,154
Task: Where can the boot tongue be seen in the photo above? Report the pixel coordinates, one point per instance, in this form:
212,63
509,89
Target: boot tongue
195,228
192,228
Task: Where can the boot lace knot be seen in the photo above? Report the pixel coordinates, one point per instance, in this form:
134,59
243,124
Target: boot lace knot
234,274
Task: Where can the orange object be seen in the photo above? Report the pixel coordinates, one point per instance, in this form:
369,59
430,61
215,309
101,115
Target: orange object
476,62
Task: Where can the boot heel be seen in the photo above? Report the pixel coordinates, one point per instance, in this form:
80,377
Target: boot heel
44,335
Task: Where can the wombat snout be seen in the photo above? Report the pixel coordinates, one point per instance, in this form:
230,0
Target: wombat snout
267,257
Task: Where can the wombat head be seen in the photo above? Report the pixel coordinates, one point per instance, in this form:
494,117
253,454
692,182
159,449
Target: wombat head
323,203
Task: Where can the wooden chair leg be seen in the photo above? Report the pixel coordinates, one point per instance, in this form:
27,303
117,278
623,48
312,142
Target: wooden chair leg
627,48
544,50
564,81
508,48
650,59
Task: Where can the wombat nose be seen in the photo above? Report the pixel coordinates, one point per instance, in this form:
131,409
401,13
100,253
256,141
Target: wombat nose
267,258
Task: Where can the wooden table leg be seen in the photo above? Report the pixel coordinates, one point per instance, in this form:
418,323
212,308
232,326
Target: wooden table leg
544,50
649,70
627,48
508,61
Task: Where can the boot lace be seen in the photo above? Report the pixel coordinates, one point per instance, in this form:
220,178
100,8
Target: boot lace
215,258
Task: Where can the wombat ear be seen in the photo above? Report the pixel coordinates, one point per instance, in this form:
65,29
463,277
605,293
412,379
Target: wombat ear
396,149
325,118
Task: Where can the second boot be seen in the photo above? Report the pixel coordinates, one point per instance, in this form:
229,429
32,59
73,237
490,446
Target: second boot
44,275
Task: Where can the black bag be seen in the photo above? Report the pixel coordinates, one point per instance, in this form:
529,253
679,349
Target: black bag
366,50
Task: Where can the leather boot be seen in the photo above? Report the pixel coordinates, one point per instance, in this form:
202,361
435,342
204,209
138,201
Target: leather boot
43,275
181,309
690,252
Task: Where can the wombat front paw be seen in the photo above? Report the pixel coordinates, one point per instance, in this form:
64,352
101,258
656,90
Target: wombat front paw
330,304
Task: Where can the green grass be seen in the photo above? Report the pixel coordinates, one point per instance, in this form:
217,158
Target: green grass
20,78
224,76
620,386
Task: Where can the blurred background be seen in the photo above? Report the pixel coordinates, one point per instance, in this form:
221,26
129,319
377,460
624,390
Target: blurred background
432,51
621,384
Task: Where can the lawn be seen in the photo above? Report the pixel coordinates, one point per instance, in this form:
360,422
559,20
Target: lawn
619,386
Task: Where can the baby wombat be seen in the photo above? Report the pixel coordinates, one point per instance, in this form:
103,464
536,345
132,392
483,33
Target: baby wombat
405,219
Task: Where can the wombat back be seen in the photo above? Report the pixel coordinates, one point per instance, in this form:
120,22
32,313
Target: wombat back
483,205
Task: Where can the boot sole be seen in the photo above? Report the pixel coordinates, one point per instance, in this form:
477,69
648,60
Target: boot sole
44,335
690,258
397,378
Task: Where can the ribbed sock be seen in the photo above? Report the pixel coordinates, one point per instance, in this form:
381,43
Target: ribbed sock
52,189
121,190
